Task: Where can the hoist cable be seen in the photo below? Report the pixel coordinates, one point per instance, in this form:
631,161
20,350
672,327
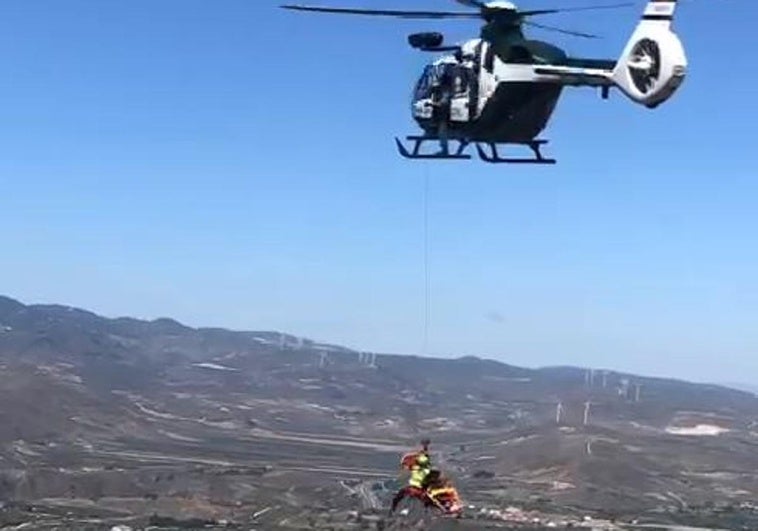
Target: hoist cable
427,284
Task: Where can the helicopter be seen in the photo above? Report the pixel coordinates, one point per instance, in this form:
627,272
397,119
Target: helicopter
502,88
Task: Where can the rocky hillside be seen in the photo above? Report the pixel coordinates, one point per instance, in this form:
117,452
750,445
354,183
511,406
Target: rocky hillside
119,419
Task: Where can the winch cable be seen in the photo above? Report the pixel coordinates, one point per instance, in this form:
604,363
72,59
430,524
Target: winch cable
427,284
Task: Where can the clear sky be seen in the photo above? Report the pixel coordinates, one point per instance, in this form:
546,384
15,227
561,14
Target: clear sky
230,164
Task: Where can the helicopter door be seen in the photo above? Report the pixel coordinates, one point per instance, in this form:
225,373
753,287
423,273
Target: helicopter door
487,81
462,79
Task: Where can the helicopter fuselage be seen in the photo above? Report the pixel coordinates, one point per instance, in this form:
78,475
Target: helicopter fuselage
482,105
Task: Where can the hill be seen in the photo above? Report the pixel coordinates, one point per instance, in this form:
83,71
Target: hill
125,420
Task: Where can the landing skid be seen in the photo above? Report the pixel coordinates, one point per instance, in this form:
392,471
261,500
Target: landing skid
418,141
493,157
489,154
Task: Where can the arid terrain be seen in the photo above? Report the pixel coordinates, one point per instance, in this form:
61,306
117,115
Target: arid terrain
108,422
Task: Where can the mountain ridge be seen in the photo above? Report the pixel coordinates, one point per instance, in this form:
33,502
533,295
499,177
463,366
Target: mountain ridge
8,305
209,422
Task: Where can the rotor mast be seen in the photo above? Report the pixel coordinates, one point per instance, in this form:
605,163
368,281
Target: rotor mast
502,28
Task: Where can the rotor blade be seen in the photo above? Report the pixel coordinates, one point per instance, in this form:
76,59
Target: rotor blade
573,9
561,30
381,12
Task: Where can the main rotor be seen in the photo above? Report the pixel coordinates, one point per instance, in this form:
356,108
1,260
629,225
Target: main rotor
497,12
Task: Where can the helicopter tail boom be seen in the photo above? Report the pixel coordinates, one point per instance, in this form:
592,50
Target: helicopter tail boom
651,68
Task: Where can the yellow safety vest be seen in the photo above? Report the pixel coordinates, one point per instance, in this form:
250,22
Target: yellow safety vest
418,475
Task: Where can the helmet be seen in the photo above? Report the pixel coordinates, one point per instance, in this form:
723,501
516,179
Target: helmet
425,443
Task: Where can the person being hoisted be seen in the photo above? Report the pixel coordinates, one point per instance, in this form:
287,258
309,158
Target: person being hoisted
420,465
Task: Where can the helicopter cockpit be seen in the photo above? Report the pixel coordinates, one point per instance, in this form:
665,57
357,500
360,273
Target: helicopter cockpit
446,80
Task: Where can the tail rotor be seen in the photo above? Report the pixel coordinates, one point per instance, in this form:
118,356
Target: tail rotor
653,65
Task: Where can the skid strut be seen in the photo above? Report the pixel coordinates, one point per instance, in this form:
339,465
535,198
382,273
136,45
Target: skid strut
418,141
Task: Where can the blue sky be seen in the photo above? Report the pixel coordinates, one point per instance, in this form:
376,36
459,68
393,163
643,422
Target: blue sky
230,164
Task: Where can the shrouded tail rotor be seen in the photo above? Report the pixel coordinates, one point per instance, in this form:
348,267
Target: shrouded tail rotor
653,64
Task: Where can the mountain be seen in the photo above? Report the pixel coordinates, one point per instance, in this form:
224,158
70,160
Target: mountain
156,423
746,387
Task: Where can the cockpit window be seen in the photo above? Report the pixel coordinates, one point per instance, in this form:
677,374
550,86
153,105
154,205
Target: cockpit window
425,84
458,76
